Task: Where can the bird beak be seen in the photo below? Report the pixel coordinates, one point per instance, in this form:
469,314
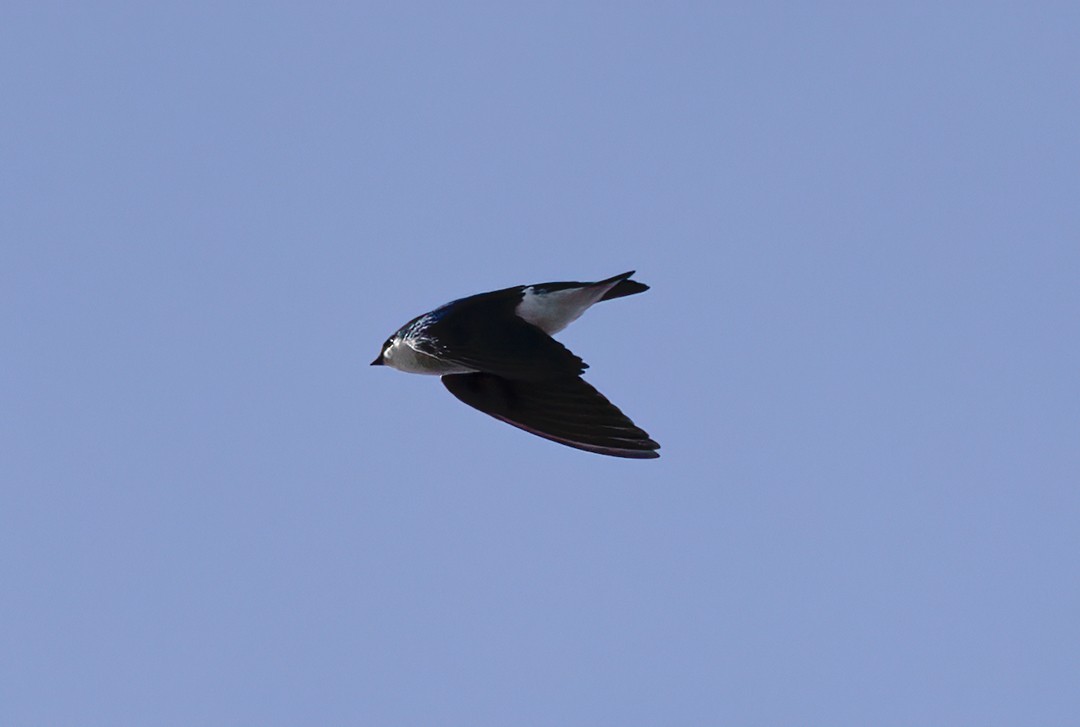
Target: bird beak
379,361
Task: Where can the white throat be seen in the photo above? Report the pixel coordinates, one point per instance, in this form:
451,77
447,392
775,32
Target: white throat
402,356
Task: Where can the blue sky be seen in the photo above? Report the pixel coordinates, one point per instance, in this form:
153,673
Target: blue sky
859,352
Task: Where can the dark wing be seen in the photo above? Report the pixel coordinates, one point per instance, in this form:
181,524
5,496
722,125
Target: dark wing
509,347
568,411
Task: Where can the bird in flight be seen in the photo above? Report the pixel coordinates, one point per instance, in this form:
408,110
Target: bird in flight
495,352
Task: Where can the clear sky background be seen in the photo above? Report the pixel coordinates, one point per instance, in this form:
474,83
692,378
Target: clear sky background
861,225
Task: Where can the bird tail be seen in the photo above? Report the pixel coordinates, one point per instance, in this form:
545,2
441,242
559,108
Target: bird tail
624,286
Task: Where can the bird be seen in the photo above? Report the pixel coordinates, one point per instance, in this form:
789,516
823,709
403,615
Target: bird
495,352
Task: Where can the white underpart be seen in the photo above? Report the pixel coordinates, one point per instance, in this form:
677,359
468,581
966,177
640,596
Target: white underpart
552,312
402,356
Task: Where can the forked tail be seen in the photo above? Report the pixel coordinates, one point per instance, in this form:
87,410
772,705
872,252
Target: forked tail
624,287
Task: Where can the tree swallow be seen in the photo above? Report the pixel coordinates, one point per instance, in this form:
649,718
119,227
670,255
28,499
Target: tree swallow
495,352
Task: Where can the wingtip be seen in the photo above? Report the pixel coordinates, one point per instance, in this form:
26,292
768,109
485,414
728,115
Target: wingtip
569,411
635,454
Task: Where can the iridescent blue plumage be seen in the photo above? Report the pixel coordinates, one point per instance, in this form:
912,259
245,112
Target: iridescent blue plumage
495,353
